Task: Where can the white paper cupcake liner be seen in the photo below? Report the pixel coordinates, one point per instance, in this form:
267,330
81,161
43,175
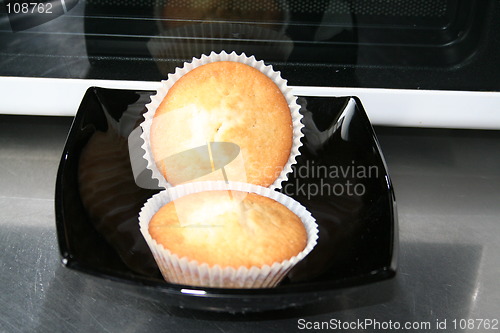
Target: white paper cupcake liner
280,27
190,272
214,57
183,42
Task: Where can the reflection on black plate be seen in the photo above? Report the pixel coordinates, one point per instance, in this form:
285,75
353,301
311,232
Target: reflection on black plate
340,177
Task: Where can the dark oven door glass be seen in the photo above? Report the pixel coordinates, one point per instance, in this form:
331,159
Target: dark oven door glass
415,44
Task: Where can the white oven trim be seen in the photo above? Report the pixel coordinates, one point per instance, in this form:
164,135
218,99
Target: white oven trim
388,107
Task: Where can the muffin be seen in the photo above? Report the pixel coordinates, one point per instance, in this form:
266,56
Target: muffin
222,101
229,229
265,13
199,27
222,235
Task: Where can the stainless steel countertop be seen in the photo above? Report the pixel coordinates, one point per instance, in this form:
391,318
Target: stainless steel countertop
447,185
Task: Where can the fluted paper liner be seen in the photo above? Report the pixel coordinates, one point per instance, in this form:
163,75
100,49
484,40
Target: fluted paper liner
183,42
214,57
190,272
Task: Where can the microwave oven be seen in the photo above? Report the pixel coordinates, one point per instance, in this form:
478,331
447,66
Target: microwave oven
424,63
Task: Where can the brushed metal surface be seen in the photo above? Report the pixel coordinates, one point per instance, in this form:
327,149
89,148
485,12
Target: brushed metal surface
447,186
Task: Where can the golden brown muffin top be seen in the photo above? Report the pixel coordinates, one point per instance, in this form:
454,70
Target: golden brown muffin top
229,229
264,13
223,102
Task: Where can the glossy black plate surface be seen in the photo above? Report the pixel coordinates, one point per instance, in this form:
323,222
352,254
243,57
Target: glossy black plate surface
340,177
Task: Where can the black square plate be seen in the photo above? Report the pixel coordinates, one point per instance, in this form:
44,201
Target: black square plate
340,177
